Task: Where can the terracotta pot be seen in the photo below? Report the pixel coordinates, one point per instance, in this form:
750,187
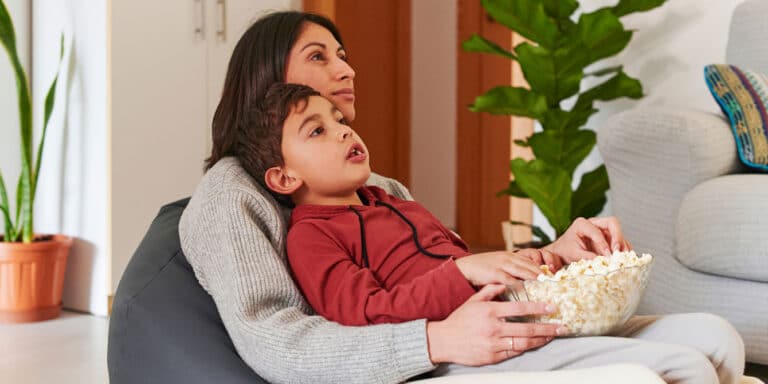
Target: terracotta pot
32,279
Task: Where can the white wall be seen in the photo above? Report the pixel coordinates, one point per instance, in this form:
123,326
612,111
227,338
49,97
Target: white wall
668,52
433,106
10,153
72,194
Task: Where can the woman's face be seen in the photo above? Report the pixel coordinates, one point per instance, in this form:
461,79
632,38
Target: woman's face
317,60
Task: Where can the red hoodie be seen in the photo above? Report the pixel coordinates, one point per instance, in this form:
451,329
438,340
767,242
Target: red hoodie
399,282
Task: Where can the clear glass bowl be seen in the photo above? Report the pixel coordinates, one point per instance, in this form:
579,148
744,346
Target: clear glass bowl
589,305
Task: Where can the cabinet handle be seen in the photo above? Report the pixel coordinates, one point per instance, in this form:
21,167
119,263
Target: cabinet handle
199,19
221,27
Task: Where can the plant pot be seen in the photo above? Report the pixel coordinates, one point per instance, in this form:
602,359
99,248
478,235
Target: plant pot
32,279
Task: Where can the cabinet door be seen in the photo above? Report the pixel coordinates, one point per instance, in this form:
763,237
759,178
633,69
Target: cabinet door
227,20
159,120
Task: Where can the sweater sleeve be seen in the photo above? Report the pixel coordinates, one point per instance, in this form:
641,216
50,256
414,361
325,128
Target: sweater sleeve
340,290
233,238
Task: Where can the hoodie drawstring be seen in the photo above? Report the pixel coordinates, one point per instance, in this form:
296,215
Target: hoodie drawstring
410,224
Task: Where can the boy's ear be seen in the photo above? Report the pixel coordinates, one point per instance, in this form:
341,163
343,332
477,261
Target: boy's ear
279,181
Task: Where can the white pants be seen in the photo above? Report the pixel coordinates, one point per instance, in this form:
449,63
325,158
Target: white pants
696,348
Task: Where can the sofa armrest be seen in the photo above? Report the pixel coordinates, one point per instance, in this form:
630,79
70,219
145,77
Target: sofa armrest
654,156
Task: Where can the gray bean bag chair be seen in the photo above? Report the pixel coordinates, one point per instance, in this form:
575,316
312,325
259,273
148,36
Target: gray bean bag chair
164,327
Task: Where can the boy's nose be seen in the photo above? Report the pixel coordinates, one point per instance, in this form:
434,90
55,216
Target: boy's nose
345,133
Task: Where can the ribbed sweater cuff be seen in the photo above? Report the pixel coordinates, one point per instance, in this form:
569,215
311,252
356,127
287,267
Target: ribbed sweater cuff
411,348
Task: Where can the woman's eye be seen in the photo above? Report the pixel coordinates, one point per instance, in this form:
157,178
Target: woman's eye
316,132
317,57
344,57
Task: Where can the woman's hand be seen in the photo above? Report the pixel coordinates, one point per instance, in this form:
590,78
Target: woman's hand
476,333
498,267
542,257
588,238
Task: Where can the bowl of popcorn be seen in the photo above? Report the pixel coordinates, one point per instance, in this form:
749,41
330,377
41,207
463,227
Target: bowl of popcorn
591,297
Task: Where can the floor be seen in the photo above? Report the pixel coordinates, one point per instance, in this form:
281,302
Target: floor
75,347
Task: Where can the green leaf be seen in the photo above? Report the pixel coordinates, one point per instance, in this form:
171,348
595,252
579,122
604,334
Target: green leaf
620,85
4,204
536,230
565,149
50,98
549,187
506,100
589,198
512,190
605,71
559,120
522,143
480,44
8,40
602,33
560,9
527,18
629,6
547,74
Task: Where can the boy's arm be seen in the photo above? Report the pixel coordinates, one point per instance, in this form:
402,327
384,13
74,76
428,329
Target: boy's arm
342,291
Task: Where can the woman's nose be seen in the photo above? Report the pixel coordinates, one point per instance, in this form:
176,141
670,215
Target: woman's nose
344,70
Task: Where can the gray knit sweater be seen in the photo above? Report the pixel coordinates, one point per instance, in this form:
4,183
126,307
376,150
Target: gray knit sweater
233,234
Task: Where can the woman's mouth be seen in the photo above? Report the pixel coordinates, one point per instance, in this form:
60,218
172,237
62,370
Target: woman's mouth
345,94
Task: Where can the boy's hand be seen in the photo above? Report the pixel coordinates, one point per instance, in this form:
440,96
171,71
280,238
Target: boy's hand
499,267
543,257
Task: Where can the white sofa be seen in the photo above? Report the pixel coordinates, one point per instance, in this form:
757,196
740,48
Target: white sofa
682,195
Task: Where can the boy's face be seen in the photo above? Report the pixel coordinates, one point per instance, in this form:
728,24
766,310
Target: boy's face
323,152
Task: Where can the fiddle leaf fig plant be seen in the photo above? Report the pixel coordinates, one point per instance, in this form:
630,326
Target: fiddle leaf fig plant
553,60
19,226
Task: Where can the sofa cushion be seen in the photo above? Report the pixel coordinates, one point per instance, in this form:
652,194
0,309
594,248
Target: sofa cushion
722,227
743,96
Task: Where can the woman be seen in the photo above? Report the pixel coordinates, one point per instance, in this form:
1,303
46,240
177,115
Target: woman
233,235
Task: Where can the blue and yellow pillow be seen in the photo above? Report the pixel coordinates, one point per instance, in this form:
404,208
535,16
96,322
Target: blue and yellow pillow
743,96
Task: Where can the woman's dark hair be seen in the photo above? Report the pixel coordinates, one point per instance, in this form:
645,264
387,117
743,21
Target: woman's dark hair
258,145
258,61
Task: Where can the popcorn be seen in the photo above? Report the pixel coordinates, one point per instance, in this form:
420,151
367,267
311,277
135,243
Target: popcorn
592,297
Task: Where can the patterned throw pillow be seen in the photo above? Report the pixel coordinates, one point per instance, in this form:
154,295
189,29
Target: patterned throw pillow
743,96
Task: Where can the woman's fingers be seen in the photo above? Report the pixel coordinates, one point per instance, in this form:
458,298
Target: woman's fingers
553,261
612,226
518,308
533,254
521,344
586,228
512,329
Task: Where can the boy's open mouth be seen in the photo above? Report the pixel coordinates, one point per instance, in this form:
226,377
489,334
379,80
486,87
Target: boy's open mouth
356,152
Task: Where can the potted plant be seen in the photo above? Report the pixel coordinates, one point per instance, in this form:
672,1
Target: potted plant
31,265
553,60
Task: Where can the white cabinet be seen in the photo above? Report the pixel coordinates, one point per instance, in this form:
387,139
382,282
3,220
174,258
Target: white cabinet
166,67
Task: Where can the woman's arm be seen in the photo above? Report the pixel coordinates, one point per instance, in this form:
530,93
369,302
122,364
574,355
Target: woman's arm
230,233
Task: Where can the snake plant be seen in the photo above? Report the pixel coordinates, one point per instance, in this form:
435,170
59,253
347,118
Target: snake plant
19,225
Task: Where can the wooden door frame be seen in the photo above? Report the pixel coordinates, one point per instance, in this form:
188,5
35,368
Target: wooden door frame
485,142
402,128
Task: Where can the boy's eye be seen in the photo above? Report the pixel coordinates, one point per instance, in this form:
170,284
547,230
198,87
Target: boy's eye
317,131
343,121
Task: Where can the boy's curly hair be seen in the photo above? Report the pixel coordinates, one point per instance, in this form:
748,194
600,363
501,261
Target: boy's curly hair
259,138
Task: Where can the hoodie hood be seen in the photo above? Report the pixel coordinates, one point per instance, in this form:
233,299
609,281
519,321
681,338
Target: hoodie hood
369,195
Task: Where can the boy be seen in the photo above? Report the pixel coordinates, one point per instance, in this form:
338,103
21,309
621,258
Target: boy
359,255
